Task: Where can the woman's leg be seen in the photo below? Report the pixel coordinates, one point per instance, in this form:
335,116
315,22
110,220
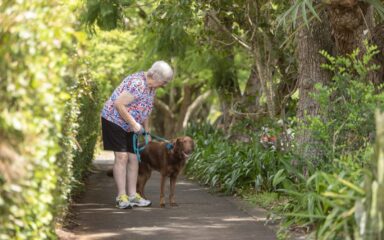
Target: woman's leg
133,170
120,171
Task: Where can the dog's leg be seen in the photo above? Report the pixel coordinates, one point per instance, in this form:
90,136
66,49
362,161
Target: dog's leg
140,185
162,186
144,175
172,181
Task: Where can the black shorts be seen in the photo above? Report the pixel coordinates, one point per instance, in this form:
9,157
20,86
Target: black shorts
115,138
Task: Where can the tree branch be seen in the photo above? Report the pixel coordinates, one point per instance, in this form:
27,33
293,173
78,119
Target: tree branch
197,103
224,29
164,108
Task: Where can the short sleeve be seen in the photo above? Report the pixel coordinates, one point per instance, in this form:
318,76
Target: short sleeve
134,86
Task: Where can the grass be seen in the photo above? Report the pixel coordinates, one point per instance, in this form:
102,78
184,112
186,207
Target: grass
268,200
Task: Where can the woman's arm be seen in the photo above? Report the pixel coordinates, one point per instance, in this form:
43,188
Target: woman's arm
124,99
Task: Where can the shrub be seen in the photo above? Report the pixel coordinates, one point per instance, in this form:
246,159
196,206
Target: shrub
35,52
229,165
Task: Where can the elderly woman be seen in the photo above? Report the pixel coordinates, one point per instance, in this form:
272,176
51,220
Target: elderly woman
126,112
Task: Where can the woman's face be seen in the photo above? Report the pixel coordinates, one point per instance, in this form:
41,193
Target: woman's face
155,84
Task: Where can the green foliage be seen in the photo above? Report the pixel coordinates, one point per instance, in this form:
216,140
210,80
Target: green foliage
267,200
108,57
96,91
326,200
105,13
111,56
371,218
171,30
347,104
49,116
378,6
35,101
228,165
329,200
308,10
300,8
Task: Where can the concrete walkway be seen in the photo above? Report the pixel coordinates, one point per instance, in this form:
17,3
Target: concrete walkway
200,214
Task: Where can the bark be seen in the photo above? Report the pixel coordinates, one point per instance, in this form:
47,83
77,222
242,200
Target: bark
377,77
351,22
310,41
283,93
194,107
263,67
170,118
187,100
250,100
262,48
164,117
224,73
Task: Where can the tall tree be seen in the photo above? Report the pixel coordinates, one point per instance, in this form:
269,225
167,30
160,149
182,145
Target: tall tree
348,22
310,40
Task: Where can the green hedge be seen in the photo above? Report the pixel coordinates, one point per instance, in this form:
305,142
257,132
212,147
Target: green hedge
49,117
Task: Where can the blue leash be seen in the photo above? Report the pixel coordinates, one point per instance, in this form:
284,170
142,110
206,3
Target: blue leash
137,149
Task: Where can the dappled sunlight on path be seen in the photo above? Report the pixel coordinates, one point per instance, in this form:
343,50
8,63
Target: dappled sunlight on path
200,215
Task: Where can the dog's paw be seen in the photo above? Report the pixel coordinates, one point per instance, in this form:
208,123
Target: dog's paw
174,204
162,205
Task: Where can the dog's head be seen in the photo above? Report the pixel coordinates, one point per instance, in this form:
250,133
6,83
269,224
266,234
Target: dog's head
184,146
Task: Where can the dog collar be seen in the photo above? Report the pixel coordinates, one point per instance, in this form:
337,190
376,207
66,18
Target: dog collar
169,146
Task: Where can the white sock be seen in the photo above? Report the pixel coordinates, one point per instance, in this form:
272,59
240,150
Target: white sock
132,196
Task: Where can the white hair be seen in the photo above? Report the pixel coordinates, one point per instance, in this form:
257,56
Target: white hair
160,71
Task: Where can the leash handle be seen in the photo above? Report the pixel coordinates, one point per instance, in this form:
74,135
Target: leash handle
135,143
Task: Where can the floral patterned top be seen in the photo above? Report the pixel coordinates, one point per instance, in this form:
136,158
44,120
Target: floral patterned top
140,108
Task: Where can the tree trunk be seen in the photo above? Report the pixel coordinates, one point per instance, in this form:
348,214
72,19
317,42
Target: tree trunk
187,101
351,22
263,67
310,41
250,101
377,77
224,71
194,107
164,116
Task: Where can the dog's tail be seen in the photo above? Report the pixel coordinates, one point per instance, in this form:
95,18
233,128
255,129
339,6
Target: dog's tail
110,173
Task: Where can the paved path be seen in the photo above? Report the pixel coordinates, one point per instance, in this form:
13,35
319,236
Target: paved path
200,214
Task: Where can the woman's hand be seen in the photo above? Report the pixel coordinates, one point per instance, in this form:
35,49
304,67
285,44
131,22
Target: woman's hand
136,127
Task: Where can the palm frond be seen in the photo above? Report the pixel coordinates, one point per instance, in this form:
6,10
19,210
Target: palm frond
378,6
300,10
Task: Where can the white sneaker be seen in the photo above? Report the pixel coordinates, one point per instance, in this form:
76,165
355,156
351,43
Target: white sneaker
138,201
122,202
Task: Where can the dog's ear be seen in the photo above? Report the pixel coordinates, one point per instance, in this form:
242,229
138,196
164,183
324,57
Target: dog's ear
178,145
179,141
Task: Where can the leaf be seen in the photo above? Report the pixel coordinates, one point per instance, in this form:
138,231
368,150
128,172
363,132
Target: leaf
350,185
378,7
304,215
312,9
278,178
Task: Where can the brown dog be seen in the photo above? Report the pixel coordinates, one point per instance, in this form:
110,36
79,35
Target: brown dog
169,162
